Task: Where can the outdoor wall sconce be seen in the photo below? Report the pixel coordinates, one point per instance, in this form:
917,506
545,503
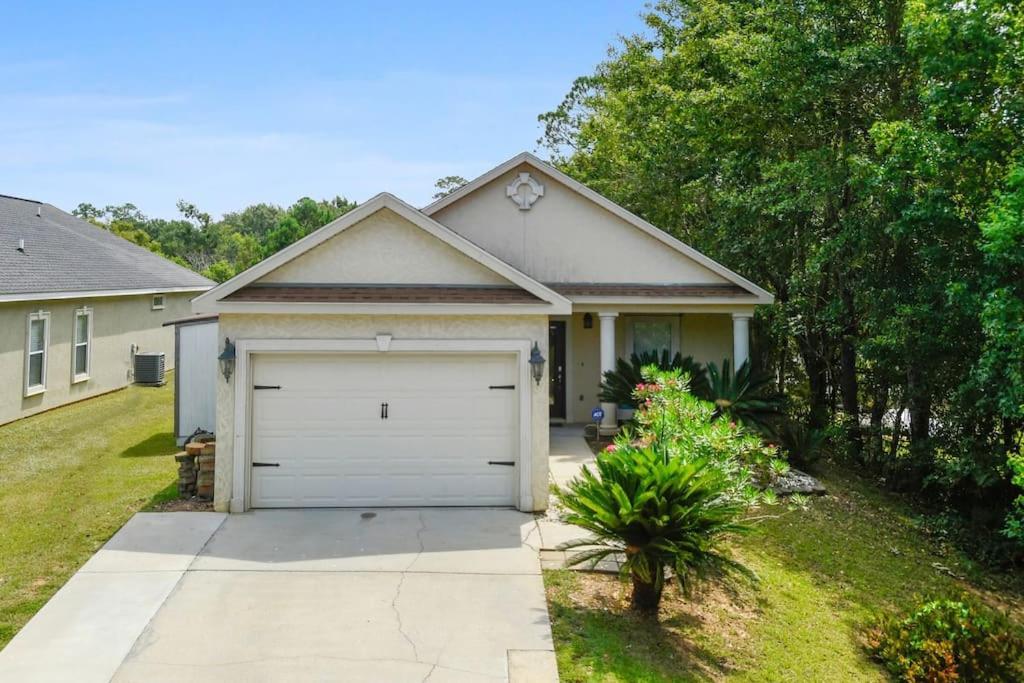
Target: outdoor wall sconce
588,321
536,363
227,360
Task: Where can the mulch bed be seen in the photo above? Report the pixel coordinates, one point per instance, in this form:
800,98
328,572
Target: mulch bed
192,504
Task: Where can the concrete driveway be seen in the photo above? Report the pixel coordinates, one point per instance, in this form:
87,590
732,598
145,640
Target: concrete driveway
300,595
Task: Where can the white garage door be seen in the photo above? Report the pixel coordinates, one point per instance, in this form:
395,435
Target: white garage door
384,429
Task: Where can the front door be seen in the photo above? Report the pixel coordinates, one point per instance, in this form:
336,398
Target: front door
556,349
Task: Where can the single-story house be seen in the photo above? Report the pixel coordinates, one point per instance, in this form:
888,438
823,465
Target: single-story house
417,357
76,302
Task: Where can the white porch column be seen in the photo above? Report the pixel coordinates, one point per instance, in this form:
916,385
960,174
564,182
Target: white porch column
740,339
609,423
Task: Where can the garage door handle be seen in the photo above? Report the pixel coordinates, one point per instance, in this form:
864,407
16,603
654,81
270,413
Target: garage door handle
266,464
506,463
267,386
502,386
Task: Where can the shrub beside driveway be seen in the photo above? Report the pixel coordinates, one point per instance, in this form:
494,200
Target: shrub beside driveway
70,478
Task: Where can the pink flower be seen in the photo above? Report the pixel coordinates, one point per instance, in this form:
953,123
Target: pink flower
610,448
732,425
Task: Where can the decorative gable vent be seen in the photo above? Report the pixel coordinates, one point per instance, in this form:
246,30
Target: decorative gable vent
524,191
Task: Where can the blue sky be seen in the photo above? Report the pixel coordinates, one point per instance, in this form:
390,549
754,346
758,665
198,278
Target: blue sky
230,104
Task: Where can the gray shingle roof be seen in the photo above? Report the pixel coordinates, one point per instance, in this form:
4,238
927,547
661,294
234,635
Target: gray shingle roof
64,253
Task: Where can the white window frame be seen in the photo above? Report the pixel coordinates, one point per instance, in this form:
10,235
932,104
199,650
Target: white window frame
76,342
161,299
672,319
32,390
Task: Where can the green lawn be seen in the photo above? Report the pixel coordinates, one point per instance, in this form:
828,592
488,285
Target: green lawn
822,573
70,478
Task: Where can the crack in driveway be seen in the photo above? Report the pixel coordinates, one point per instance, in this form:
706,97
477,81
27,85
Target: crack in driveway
398,592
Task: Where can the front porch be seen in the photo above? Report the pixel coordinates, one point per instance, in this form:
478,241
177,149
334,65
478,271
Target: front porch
584,345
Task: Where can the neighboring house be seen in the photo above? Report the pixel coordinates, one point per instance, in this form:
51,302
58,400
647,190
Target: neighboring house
384,360
75,302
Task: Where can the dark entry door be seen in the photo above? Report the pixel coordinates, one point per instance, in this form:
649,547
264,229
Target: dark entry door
556,348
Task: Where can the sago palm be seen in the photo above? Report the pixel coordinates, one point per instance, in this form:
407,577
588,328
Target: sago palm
743,396
618,385
657,512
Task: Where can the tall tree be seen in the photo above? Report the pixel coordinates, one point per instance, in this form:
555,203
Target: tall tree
845,155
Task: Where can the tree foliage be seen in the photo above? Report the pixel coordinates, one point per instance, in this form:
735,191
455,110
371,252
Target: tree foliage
218,249
858,159
448,184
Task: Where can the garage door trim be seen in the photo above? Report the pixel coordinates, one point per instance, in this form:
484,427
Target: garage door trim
244,348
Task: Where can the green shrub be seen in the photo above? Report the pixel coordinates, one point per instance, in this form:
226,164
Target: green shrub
804,445
684,426
949,640
619,385
743,396
655,512
665,496
1014,526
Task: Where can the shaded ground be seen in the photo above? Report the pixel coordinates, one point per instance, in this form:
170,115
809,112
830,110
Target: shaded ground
823,572
71,477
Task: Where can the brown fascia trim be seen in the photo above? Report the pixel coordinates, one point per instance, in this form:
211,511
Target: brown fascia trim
647,289
382,293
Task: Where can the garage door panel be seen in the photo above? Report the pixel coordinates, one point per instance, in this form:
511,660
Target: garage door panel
323,429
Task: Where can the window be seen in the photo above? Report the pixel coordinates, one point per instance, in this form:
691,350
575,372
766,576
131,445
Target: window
653,334
81,353
158,302
37,339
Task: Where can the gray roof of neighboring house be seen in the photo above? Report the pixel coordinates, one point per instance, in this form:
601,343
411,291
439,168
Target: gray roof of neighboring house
64,253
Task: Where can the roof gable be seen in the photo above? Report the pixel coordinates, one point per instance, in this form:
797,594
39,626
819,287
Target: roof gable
384,244
563,239
383,247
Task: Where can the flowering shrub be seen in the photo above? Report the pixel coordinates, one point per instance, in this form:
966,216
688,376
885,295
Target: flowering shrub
680,425
948,640
667,494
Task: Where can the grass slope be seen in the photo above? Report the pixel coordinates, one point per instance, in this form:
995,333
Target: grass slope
71,477
822,573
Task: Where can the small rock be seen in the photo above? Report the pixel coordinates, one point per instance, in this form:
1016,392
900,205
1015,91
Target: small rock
796,481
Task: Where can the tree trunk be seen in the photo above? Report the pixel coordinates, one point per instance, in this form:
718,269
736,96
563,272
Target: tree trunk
897,434
878,405
920,405
817,379
646,596
848,376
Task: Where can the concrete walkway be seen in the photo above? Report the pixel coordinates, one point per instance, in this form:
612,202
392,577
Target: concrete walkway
387,595
568,453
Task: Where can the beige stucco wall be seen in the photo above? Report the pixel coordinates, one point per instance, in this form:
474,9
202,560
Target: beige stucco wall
565,237
244,327
118,322
705,336
384,248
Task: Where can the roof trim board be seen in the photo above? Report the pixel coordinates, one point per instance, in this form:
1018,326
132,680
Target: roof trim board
95,294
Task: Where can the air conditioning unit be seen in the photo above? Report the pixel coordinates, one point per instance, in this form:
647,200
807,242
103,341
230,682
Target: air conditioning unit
149,368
